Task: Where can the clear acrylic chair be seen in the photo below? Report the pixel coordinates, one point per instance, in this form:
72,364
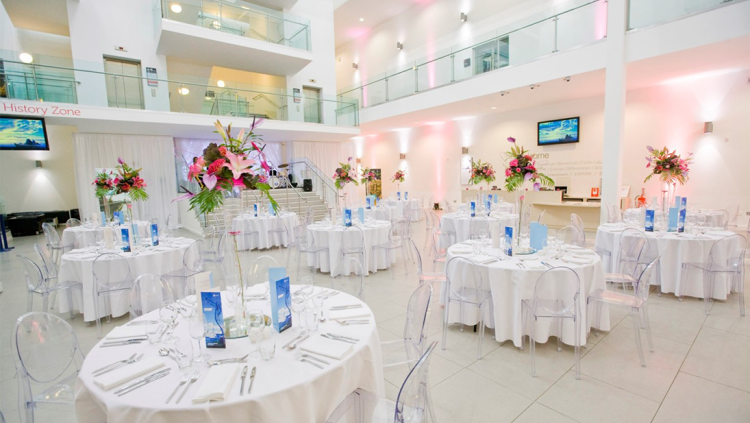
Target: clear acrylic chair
541,216
572,236
72,222
733,212
395,242
147,293
294,240
446,229
47,358
479,227
556,296
429,227
726,257
53,242
577,222
633,250
438,253
465,286
49,266
353,281
636,305
111,276
725,217
219,256
426,277
36,283
306,244
258,275
352,245
192,264
413,403
614,214
411,347
278,234
309,216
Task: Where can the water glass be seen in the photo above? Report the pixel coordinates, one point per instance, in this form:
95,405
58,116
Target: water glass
298,305
168,314
311,319
154,331
184,353
268,344
198,332
255,327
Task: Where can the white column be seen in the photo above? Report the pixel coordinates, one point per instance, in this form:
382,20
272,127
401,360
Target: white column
614,104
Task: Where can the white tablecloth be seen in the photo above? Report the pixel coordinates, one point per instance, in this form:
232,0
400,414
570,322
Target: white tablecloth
262,225
70,235
415,204
674,249
501,207
509,284
78,265
376,232
460,224
714,218
284,390
389,214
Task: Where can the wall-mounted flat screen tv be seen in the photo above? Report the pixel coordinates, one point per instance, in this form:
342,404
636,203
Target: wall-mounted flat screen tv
560,131
23,133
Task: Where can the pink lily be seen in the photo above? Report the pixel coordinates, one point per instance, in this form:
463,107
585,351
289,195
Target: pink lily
238,164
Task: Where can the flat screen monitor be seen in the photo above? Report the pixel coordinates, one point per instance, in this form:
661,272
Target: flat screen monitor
23,133
560,131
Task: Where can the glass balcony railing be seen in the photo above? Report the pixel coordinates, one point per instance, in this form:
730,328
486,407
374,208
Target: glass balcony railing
646,13
249,21
178,93
570,25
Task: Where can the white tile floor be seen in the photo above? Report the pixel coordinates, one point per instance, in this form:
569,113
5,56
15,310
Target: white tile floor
700,371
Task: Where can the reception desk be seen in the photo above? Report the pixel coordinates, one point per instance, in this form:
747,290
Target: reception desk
557,212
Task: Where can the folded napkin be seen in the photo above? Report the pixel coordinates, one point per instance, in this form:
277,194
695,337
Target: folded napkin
584,252
127,373
355,313
575,260
483,259
461,250
720,233
217,383
326,347
126,332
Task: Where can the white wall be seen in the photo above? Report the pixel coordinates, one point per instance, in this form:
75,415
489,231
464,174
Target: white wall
665,115
27,188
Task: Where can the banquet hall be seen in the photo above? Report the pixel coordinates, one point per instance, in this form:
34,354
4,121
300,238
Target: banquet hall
340,211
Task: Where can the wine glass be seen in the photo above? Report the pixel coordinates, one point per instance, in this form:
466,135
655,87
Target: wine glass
198,332
168,314
298,305
701,219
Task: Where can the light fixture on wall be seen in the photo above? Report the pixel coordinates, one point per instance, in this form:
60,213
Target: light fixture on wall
220,83
176,8
183,91
464,17
402,156
708,127
26,57
355,66
399,46
464,150
361,19
39,164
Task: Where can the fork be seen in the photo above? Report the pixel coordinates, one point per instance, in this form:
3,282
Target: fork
123,363
184,380
193,379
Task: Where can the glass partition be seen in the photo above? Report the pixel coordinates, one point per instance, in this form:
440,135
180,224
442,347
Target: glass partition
645,13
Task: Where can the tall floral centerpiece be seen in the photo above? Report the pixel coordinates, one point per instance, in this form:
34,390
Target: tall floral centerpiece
126,181
343,175
522,169
225,168
367,176
399,177
670,168
481,172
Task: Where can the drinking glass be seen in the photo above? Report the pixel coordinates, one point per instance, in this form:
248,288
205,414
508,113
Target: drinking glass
551,238
168,314
255,326
154,331
183,353
298,305
198,332
311,319
267,345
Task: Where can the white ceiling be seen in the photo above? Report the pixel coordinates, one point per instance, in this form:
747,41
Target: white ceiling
49,16
346,22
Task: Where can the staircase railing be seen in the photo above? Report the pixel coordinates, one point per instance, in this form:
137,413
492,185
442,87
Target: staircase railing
303,168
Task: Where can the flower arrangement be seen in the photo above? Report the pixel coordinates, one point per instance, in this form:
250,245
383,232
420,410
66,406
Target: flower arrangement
344,174
668,166
367,175
227,165
522,168
481,172
399,176
128,181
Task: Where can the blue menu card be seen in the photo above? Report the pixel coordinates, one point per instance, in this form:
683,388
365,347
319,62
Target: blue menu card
347,217
255,209
398,195
649,220
361,213
508,241
126,240
673,216
537,235
280,299
473,209
213,320
368,202
406,195
154,234
682,215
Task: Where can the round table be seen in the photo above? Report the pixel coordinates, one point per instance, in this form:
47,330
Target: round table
375,232
415,205
501,207
77,266
460,224
674,249
248,222
385,213
509,284
284,390
70,235
714,219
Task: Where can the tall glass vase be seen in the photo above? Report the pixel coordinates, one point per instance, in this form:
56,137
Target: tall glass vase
519,209
667,197
106,205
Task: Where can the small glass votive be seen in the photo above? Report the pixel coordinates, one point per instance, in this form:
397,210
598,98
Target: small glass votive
311,319
267,345
154,332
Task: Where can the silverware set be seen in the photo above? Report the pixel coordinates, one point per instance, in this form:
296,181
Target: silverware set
193,379
117,365
345,307
311,359
341,338
298,338
252,379
142,382
227,360
347,322
122,342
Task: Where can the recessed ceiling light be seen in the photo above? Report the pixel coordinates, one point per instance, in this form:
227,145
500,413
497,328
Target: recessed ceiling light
176,8
493,107
184,91
220,83
361,19
26,57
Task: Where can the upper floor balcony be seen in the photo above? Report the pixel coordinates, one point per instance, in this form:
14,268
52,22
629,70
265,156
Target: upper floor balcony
220,33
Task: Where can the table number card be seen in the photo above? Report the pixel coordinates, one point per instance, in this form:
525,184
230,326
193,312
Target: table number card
347,217
537,235
488,206
508,241
398,195
683,214
213,320
368,203
673,217
473,209
649,220
154,234
280,299
255,209
126,245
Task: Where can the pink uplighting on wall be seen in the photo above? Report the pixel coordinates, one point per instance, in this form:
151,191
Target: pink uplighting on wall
600,24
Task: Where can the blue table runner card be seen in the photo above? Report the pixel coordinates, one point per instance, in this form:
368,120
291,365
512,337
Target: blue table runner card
347,217
649,220
361,213
280,299
126,245
213,319
154,234
473,209
683,215
508,241
673,217
537,235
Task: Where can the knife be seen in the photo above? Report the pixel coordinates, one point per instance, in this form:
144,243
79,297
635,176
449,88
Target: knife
142,322
141,380
144,383
345,307
242,386
117,344
343,337
325,335
252,379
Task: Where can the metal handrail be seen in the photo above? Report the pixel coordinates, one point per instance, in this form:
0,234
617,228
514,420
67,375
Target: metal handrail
318,173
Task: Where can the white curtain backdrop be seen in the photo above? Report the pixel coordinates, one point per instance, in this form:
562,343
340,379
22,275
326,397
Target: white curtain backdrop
326,156
154,154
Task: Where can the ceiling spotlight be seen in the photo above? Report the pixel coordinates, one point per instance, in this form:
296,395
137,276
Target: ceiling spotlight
464,17
400,46
503,93
534,86
176,8
566,79
183,91
26,57
220,83
361,19
355,66
493,107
